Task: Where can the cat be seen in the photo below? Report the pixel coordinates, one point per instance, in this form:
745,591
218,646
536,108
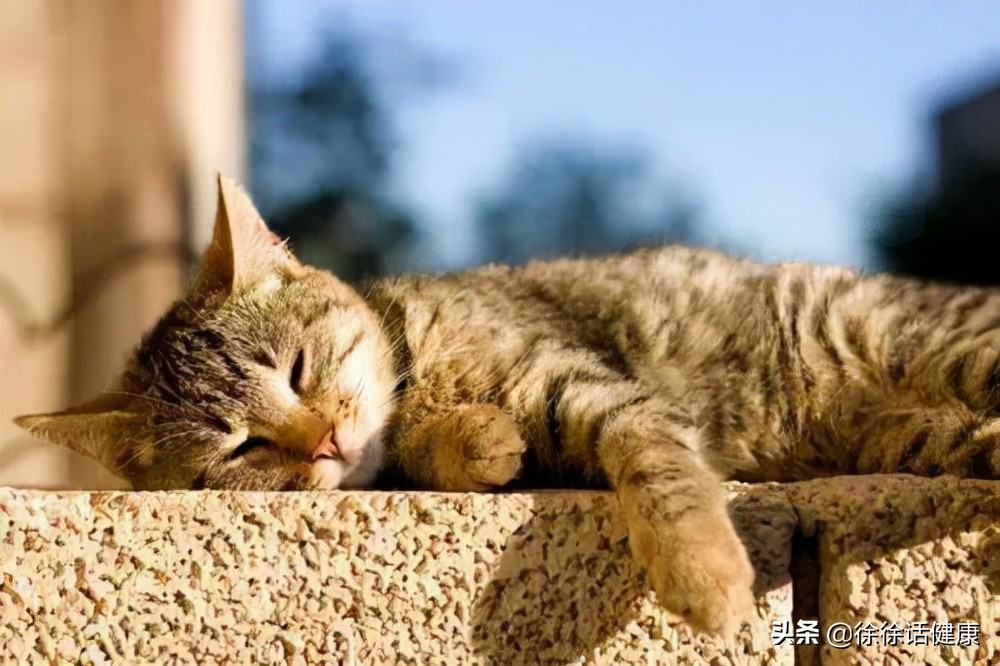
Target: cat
658,372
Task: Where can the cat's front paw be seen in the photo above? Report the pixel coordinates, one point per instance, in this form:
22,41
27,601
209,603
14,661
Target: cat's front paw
480,449
699,569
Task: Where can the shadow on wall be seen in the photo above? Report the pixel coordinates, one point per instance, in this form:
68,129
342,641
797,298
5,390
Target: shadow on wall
574,594
871,536
548,595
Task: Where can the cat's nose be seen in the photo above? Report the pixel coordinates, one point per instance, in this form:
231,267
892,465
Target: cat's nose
327,447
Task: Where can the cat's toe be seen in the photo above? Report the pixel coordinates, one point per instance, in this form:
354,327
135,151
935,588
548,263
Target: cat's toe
494,472
481,449
982,461
705,577
490,434
494,447
714,595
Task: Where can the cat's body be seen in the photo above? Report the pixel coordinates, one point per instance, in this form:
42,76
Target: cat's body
657,372
786,371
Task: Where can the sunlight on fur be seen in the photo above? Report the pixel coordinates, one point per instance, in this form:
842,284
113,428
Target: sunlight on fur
657,372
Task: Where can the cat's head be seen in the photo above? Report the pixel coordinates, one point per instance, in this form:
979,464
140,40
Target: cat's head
268,375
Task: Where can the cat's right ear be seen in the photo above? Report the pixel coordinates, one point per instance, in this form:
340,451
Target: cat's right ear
243,251
102,429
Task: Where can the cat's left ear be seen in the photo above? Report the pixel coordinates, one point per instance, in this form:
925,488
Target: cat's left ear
103,429
243,251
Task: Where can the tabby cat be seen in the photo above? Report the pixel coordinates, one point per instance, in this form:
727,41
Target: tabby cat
658,372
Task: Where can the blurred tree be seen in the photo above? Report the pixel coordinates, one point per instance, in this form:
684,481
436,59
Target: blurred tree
320,153
568,197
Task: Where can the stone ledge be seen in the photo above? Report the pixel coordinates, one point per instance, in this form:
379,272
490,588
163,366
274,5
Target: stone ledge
906,550
371,577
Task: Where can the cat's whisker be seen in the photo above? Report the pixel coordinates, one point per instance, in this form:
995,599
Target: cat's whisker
360,385
272,479
149,398
385,312
388,402
135,456
172,436
140,450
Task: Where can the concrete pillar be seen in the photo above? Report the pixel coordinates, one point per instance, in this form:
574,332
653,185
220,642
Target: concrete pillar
113,120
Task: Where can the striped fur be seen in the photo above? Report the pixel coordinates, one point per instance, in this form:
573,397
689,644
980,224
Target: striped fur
657,373
769,373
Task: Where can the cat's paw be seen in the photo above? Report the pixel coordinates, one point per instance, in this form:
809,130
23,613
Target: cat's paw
480,450
699,569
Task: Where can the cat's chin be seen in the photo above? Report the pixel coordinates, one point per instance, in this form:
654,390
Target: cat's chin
331,474
327,474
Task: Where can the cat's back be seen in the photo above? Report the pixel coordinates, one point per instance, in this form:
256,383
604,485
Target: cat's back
701,326
592,297
651,288
578,280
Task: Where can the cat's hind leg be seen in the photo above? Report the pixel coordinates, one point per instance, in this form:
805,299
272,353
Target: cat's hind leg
942,416
915,439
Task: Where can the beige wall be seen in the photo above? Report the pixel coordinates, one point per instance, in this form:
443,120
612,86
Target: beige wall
114,117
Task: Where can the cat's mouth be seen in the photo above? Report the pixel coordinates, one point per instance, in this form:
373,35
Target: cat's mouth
344,460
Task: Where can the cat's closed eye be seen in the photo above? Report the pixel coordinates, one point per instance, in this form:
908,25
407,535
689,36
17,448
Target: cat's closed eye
250,444
295,378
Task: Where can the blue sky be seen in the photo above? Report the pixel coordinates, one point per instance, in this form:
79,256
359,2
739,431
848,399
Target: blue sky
787,121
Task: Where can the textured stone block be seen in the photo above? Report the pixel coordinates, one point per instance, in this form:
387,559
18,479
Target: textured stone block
905,551
545,577
212,577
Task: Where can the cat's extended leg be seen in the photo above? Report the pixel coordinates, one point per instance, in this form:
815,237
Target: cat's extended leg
679,527
471,447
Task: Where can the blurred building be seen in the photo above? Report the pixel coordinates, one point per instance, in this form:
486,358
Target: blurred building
948,231
114,117
968,137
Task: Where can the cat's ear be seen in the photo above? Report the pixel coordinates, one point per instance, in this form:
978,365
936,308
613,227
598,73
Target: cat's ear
243,250
102,428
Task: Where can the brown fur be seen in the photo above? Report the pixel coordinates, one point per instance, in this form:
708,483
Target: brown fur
658,373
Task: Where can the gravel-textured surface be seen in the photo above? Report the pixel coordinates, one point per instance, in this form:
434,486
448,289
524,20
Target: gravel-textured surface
897,550
367,577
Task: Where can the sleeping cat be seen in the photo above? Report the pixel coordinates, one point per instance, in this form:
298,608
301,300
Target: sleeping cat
658,373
